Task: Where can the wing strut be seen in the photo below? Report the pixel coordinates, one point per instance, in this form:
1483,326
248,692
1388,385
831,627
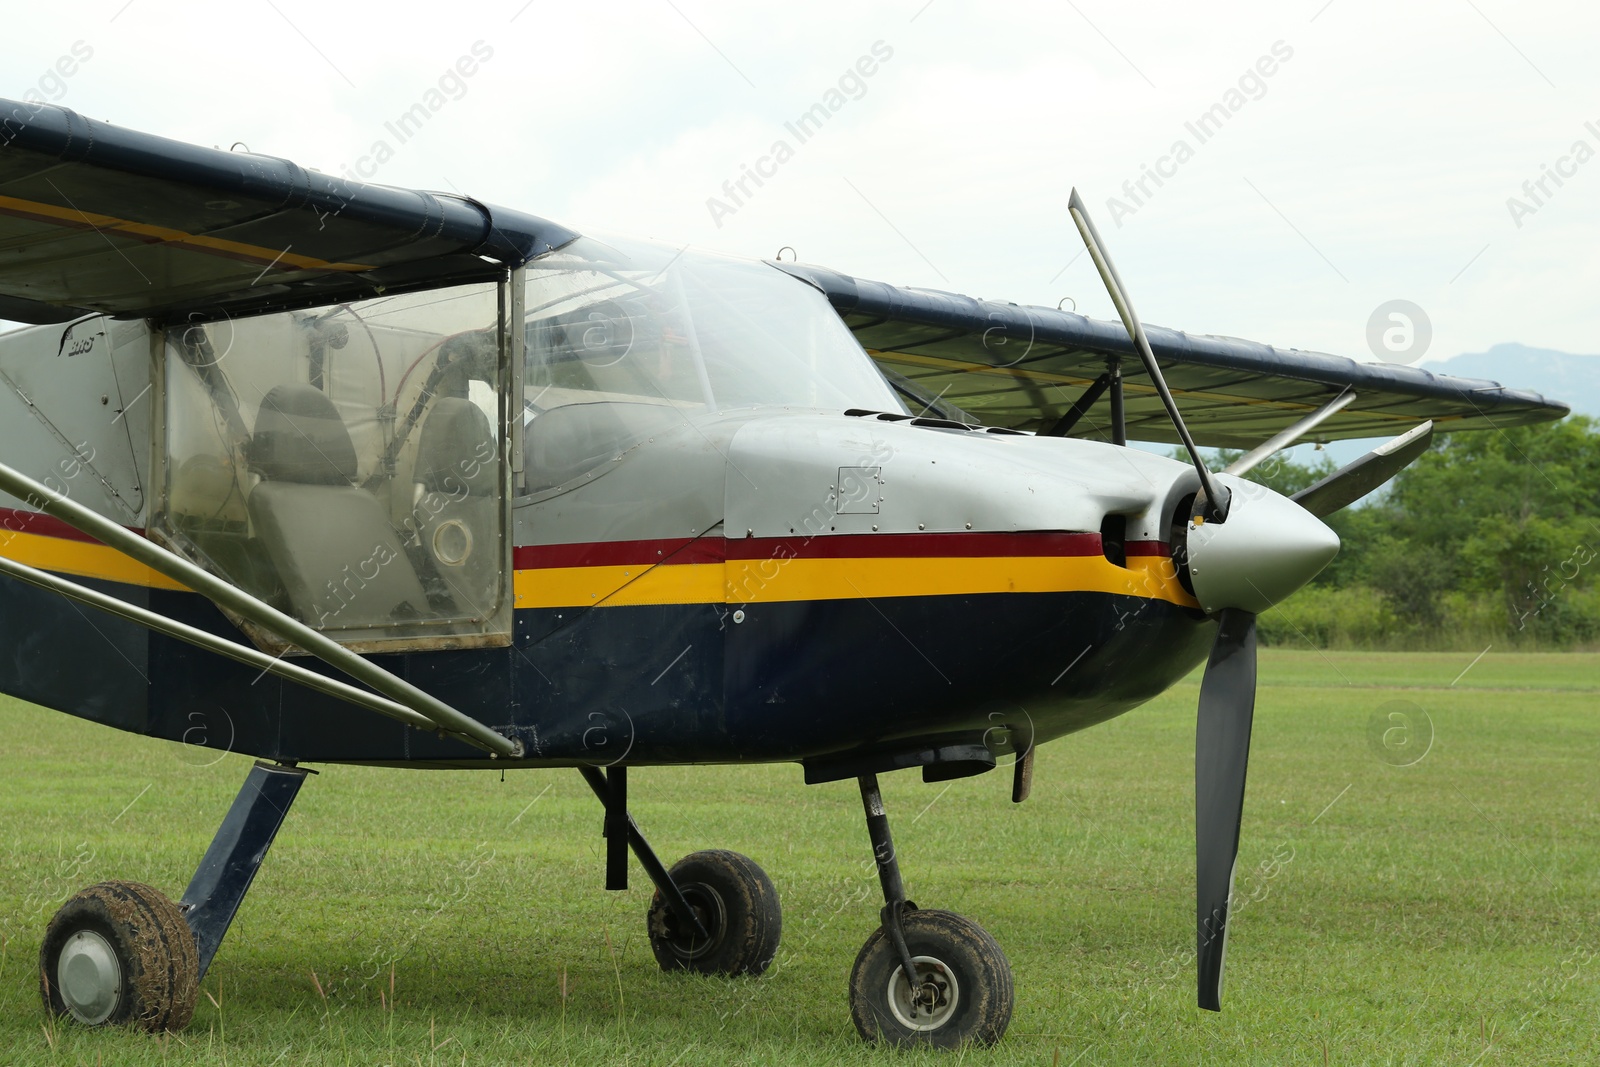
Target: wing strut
233,650
1285,438
436,713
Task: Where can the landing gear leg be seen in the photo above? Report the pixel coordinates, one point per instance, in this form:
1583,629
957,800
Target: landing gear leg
924,977
123,953
236,853
715,912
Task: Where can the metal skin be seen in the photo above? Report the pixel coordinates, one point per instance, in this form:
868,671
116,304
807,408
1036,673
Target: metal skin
622,671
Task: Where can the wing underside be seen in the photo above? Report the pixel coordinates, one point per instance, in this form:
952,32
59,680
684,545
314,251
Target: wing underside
1025,368
96,218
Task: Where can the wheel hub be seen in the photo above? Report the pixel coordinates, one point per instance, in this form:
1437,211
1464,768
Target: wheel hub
89,977
707,906
931,1003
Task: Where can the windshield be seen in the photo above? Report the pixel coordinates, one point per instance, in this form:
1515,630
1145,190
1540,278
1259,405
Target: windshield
626,338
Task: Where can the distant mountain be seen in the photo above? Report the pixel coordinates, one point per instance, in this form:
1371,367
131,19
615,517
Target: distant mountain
1573,380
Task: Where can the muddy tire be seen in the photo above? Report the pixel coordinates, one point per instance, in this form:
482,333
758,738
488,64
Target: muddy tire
735,902
964,995
120,954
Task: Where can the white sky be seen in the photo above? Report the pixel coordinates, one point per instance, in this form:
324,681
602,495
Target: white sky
1375,166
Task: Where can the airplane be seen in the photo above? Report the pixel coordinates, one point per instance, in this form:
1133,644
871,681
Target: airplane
404,479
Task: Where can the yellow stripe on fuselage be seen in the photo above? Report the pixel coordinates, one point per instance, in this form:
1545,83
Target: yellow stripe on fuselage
572,587
745,581
84,559
780,580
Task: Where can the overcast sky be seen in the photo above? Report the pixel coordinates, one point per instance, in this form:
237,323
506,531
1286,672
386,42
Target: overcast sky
1373,162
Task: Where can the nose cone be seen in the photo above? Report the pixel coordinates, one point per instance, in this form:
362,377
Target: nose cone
1268,547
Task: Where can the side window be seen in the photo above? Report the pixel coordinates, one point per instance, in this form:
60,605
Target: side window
609,360
344,465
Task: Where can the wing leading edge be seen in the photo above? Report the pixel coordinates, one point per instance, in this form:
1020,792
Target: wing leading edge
95,218
1025,367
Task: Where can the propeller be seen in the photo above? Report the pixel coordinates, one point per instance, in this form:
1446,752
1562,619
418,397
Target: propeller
1221,752
1215,496
1246,549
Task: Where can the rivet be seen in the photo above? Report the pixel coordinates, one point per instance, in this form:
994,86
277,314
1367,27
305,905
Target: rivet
922,526
738,616
969,525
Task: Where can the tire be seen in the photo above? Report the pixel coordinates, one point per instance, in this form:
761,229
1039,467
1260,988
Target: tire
970,975
735,902
130,960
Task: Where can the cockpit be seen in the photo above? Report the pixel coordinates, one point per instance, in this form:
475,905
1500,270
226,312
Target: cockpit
626,338
355,466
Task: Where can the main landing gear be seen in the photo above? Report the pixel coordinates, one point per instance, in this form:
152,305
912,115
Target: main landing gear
122,953
715,912
924,977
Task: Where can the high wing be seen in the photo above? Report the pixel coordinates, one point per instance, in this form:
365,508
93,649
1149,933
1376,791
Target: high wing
95,218
1025,367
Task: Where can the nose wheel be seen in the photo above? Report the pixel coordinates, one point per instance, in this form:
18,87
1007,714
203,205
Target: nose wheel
924,977
120,953
961,993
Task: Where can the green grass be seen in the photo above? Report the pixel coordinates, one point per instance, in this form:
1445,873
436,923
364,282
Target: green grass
1446,912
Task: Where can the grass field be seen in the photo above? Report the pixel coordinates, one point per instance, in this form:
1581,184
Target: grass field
1441,912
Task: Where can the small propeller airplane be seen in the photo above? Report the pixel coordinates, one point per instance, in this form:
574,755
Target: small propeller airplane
402,479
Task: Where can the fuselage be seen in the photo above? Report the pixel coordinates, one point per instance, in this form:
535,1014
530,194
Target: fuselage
686,570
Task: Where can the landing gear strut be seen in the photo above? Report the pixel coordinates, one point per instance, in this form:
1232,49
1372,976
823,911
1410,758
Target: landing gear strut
924,977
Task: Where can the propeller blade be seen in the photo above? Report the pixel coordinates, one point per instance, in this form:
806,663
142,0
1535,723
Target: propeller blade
1216,496
1221,754
1355,480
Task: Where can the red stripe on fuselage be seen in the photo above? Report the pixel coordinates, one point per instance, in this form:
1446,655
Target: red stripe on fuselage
833,546
620,553
687,550
34,522
918,545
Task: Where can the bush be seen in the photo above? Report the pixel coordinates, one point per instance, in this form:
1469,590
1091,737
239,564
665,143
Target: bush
1356,617
1361,617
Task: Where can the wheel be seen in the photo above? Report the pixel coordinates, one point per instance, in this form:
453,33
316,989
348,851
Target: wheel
965,992
735,902
120,953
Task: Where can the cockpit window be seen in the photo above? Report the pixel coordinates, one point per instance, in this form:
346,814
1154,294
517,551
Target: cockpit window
626,339
344,465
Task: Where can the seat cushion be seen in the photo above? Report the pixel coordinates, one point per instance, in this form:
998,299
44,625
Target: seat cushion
340,561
